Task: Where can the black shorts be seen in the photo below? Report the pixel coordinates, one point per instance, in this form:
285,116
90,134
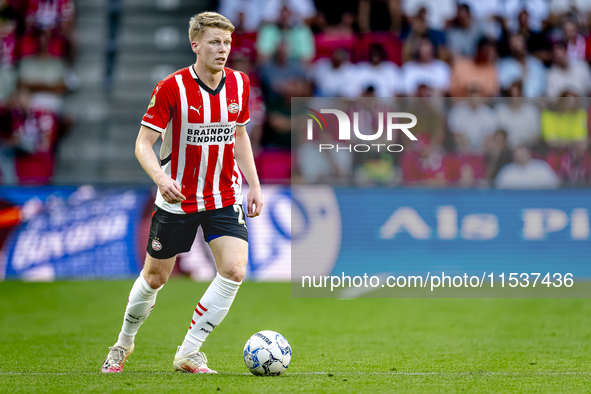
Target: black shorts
172,233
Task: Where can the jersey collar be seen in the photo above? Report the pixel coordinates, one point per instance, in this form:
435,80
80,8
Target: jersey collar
204,86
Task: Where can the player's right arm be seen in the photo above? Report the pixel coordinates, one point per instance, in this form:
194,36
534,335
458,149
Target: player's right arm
154,122
169,188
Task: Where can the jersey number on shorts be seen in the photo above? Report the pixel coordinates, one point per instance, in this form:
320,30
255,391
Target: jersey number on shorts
240,210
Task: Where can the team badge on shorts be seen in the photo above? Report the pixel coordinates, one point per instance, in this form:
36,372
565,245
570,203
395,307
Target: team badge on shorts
156,245
233,108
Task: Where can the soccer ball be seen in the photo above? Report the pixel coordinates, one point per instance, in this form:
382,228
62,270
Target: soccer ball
267,353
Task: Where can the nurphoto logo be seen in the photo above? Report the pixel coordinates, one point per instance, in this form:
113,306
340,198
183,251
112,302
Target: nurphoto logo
344,132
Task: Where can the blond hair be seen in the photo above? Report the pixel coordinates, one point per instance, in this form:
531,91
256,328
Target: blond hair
199,22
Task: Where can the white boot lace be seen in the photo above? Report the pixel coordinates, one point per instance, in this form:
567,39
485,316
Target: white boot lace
116,355
198,358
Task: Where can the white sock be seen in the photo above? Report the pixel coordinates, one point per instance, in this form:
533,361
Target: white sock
210,311
141,301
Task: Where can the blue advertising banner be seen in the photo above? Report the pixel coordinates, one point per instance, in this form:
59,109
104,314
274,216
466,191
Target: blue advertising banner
81,233
56,233
68,232
406,230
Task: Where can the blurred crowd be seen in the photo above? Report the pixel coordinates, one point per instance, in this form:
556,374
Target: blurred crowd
454,58
427,49
506,142
36,58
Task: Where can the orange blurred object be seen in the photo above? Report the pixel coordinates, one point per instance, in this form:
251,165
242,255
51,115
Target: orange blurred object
10,217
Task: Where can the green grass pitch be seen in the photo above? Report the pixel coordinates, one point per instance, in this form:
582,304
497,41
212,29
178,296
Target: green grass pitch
54,337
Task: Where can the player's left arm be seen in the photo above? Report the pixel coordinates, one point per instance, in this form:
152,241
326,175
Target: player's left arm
245,160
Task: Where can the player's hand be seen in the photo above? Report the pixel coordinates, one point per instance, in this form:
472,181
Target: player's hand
254,197
170,189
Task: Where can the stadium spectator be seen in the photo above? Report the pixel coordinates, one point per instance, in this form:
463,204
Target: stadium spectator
519,118
462,38
418,29
526,173
47,15
390,44
488,14
330,13
373,167
28,142
38,132
537,12
240,61
55,17
273,164
336,37
245,15
430,165
520,66
538,43
335,77
382,75
439,12
565,124
478,73
378,169
281,80
328,166
379,15
8,52
497,154
484,11
573,166
471,122
8,143
559,9
301,10
349,64
567,75
425,70
45,76
36,50
297,37
243,41
576,44
431,114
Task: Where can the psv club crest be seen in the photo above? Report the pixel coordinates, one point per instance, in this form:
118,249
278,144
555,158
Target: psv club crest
156,245
233,108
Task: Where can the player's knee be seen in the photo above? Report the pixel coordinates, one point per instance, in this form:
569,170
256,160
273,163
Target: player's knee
156,279
234,272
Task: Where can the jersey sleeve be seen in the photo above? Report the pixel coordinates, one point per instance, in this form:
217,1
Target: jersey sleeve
160,109
244,116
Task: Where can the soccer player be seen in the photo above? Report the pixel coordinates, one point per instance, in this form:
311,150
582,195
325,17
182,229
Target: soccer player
199,112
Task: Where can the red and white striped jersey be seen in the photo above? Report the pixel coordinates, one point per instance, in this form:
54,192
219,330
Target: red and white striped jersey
198,127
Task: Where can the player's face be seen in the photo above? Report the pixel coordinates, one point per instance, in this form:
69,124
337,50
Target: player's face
213,48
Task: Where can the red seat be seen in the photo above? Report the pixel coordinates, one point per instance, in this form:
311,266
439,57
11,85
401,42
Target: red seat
274,165
29,45
245,43
327,43
388,41
477,164
35,169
